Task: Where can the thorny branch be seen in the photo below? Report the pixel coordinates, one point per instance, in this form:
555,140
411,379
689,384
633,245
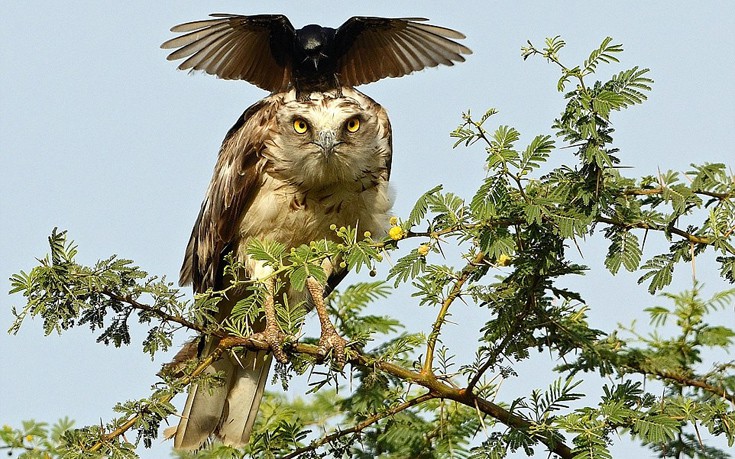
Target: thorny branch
359,427
437,389
650,191
425,377
184,380
689,382
453,295
165,317
643,225
500,348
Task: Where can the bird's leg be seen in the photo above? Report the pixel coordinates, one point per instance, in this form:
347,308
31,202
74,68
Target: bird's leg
329,339
272,333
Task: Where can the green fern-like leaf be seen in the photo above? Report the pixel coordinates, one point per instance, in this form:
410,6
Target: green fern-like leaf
449,207
421,207
656,428
266,250
605,53
535,154
407,267
492,194
606,101
631,84
624,250
660,270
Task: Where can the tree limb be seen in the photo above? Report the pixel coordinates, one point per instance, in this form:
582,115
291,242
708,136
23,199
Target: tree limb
359,427
127,299
650,191
643,225
437,389
453,294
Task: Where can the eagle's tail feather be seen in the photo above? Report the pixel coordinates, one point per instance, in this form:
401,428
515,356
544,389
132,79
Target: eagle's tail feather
243,399
227,412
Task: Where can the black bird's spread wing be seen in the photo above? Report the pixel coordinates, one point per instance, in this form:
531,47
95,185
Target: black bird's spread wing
371,48
261,49
233,47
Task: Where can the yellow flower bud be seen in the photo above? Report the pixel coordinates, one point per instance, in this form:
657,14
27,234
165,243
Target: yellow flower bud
393,221
504,260
367,234
29,437
423,250
333,227
396,233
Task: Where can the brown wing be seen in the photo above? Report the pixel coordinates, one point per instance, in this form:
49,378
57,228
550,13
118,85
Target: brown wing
233,47
236,178
372,48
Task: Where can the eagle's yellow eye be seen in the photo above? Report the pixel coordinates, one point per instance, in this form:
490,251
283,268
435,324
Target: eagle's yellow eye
353,124
300,126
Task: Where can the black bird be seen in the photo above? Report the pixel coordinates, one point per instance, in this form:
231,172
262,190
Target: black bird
267,51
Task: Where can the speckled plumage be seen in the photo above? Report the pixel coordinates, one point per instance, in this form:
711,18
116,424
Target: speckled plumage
272,182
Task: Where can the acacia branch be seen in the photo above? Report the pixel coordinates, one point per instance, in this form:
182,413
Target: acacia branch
165,317
714,390
503,223
647,226
492,358
182,382
659,190
441,390
717,391
437,389
440,318
360,426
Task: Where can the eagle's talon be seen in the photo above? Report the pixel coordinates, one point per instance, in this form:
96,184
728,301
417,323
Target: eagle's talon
275,339
337,345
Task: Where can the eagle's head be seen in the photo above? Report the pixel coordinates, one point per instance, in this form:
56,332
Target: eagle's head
338,137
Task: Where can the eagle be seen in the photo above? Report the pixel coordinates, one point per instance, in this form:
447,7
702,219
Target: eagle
314,154
268,52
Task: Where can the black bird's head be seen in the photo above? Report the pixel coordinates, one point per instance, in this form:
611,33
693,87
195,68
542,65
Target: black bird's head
314,42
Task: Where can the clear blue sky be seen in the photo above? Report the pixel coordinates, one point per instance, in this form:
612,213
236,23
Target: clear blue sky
100,135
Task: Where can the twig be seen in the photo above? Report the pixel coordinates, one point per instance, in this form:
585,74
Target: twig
360,426
688,236
530,303
453,294
659,190
155,311
691,382
184,380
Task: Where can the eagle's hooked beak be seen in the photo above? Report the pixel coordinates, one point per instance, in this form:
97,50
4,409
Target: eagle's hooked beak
327,140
